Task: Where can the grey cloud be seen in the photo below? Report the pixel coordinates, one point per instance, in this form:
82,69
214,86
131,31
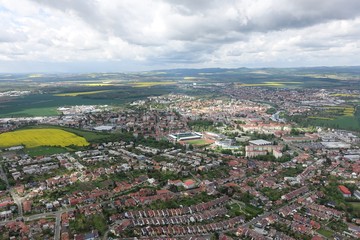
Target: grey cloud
302,13
204,19
193,32
12,36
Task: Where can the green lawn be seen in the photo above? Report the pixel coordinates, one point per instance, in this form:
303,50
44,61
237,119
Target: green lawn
32,112
236,210
253,211
40,151
197,142
355,205
326,233
84,224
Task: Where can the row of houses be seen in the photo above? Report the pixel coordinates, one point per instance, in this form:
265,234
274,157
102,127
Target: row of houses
196,229
178,211
185,219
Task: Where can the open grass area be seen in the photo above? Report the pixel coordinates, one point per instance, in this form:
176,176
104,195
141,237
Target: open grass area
41,137
236,209
46,111
355,205
326,233
198,142
74,94
45,151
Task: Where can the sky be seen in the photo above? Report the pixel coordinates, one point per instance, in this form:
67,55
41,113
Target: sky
141,35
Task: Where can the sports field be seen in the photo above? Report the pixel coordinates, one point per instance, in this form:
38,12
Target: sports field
199,142
41,137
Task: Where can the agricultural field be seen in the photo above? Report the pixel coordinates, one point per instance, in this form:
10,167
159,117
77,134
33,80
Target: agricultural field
150,84
32,138
42,111
46,103
74,94
345,95
347,111
92,137
269,84
97,84
351,123
321,118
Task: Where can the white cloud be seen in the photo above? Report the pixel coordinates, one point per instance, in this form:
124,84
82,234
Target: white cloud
180,33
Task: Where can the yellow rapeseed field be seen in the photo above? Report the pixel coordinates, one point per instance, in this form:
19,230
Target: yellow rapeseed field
41,137
267,84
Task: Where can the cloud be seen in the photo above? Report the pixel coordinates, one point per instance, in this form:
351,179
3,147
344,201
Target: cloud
169,33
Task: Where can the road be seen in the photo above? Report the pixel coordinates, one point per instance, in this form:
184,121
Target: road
18,200
258,218
56,215
4,177
57,226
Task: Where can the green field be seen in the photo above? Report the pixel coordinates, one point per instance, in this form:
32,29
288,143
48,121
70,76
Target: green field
45,112
45,151
355,205
326,233
198,142
46,104
342,117
75,94
343,122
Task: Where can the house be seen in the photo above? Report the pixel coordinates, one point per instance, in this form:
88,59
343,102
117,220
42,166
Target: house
357,194
190,183
345,191
27,206
262,147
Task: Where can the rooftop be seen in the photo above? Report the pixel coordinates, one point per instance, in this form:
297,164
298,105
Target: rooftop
260,142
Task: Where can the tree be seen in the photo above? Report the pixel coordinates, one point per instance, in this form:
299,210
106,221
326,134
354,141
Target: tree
294,132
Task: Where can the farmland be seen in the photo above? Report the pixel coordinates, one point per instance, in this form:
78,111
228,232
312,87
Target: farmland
47,103
74,94
269,84
90,136
343,117
151,84
41,137
50,91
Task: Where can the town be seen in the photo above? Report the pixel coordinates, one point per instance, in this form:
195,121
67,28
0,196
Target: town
185,167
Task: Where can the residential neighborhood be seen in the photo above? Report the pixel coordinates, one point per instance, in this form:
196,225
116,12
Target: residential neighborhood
196,170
